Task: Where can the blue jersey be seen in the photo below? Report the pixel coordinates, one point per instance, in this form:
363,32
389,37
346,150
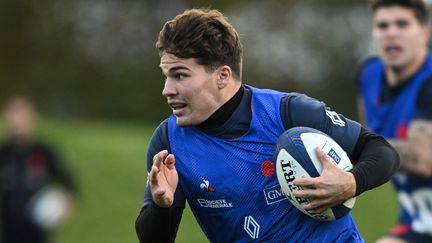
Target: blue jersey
231,186
391,120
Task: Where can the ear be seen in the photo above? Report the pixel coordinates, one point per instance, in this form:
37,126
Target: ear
224,76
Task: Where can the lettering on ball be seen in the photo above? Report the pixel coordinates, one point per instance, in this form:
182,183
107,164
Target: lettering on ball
289,178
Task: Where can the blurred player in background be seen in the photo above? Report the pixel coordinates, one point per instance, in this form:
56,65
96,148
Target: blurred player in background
396,102
36,191
216,149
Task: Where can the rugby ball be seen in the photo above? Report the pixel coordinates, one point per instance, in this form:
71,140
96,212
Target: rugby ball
296,157
48,207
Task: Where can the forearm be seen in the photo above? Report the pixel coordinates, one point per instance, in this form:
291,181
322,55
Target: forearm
156,224
415,151
377,161
405,150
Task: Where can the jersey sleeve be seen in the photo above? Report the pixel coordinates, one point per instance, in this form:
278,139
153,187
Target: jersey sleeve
424,101
301,110
159,142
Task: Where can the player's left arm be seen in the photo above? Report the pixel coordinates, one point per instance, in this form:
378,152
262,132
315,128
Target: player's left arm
375,161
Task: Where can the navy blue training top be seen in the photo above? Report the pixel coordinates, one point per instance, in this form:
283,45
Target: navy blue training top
295,110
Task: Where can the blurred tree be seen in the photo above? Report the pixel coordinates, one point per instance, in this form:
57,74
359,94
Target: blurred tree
96,58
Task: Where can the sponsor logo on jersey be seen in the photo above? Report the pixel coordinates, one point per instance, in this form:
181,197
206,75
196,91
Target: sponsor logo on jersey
251,227
274,194
334,156
218,203
205,186
335,118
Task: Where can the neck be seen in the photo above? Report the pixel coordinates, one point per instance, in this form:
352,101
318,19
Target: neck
221,115
399,75
233,88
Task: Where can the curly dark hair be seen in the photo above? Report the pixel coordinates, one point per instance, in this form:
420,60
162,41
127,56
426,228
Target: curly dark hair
205,35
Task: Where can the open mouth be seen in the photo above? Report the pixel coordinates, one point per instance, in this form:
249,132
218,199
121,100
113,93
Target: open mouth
177,106
392,50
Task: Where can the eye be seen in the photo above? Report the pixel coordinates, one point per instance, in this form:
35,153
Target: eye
382,25
402,24
180,76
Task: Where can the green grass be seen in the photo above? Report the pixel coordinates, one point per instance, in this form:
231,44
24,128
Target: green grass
109,162
375,212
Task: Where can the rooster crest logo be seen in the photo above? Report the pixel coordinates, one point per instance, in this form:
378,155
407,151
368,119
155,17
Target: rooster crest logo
205,186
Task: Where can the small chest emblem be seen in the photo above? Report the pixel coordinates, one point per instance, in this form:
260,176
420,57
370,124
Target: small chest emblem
267,168
205,186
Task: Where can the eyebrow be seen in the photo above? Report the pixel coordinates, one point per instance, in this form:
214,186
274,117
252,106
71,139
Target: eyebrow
392,20
176,68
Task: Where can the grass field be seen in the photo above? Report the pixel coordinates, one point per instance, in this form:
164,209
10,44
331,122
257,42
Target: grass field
108,161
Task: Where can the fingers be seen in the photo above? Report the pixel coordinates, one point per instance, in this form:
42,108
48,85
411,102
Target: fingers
156,167
163,158
163,179
318,201
317,206
312,194
152,177
170,161
159,157
307,193
331,188
324,158
309,182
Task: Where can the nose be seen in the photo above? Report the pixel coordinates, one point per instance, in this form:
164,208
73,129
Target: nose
169,88
392,31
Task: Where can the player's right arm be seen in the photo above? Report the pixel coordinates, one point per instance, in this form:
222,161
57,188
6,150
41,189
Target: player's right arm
163,179
374,160
164,202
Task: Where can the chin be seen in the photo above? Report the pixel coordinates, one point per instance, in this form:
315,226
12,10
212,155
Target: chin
184,122
397,66
394,64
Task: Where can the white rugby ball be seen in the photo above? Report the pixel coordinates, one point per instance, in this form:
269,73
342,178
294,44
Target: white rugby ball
48,207
296,158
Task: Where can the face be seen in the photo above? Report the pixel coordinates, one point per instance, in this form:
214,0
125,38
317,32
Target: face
20,119
400,38
191,91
